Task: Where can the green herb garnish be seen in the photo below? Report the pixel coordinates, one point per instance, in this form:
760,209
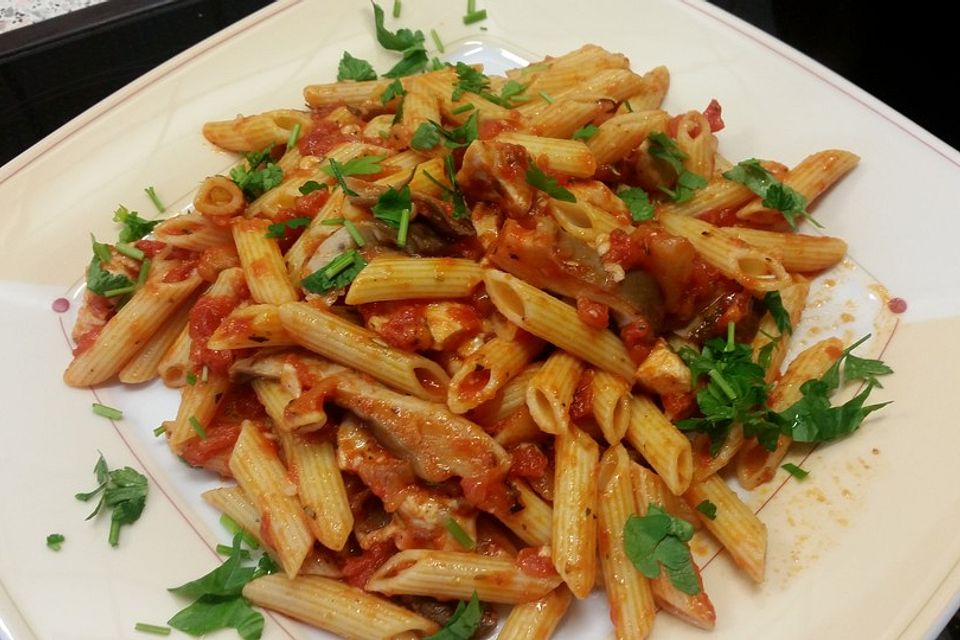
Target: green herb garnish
795,471
708,509
198,427
409,43
152,628
279,229
538,179
638,202
658,540
585,133
134,227
776,195
464,622
476,16
258,176
351,68
124,491
665,148
336,274
461,536
107,412
55,541
155,199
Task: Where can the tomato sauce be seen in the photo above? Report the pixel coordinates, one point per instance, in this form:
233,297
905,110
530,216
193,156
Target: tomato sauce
404,324
527,461
487,492
582,404
532,563
639,338
86,341
180,272
325,136
357,570
205,316
593,314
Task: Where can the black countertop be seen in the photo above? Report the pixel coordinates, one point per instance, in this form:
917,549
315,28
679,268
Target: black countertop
53,70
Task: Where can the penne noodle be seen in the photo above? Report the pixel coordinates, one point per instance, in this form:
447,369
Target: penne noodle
536,620
797,252
262,262
390,278
550,392
255,325
490,368
574,534
571,157
660,443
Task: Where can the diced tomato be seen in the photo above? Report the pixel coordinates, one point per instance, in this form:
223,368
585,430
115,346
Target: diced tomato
150,248
492,128
488,493
720,217
639,337
527,461
358,569
86,341
533,563
205,316
220,439
180,271
405,326
308,205
582,404
325,136
593,314
677,406
712,114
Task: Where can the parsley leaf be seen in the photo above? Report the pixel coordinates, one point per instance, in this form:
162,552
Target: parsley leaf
658,540
638,202
774,304
814,419
279,229
452,193
351,68
362,166
134,227
310,186
469,80
219,601
776,195
426,137
708,509
392,204
538,179
464,622
124,491
99,280
512,92
795,471
585,133
394,90
410,43
665,148
336,274
253,180
55,540
734,392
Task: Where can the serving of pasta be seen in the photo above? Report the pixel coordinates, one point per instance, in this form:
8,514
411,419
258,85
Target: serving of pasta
458,337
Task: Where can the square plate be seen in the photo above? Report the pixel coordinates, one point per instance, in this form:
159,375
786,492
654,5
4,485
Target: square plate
863,548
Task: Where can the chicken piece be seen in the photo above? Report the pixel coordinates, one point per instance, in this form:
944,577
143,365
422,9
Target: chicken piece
495,172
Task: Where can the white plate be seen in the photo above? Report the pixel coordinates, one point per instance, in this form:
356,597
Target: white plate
864,548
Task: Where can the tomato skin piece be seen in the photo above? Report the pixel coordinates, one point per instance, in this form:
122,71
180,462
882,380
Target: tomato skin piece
593,314
713,115
533,563
527,461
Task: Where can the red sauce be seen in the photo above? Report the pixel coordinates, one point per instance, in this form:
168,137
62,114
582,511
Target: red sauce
86,341
593,314
405,326
150,248
487,492
582,404
213,260
220,440
897,305
492,128
474,382
310,204
677,406
480,300
512,162
358,569
712,114
205,316
180,272
325,136
532,563
639,338
720,217
527,461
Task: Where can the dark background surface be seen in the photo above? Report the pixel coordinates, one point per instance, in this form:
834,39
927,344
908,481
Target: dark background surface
54,70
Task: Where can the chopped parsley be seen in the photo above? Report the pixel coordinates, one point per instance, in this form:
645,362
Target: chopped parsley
464,622
813,419
776,195
638,202
294,136
428,134
310,186
396,8
258,176
362,166
231,525
279,229
394,208
99,280
734,391
155,199
469,80
407,42
547,97
476,16
795,471
708,509
585,133
159,431
461,536
394,90
134,227
198,427
124,491
218,598
155,629
659,540
665,148
438,43
451,193
513,92
107,412
336,274
426,137
467,106
774,304
538,179
55,541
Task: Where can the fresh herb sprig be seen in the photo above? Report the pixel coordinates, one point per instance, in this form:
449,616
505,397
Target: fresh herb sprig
123,491
258,175
776,195
464,622
659,540
663,147
336,274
